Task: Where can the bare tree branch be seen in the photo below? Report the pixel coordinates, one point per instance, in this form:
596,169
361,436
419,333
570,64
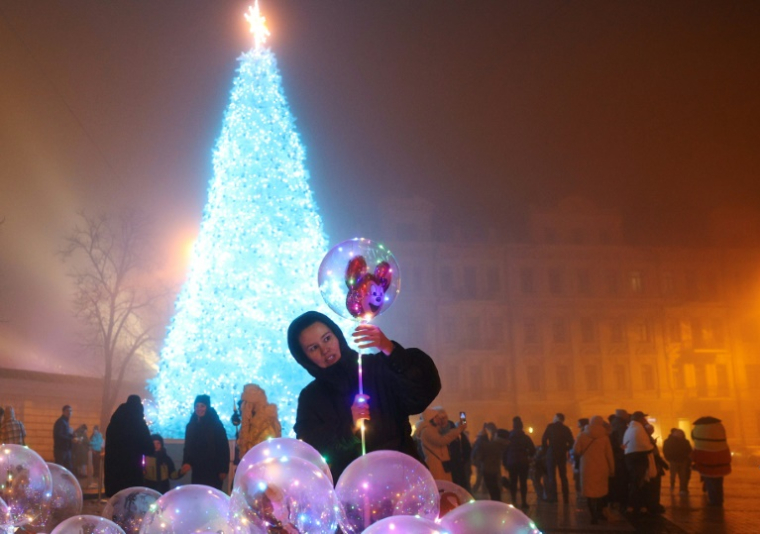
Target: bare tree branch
106,256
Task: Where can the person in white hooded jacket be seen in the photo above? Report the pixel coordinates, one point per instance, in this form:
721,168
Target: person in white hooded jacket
638,448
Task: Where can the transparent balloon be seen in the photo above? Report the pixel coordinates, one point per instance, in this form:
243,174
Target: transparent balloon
129,507
451,496
381,484
279,448
66,501
87,524
284,495
359,279
5,518
487,517
407,524
26,484
191,508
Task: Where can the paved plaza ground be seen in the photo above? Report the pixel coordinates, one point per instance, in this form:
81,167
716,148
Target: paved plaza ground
685,514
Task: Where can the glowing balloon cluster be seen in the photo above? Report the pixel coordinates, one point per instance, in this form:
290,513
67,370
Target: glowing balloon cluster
191,508
91,524
359,279
279,448
488,517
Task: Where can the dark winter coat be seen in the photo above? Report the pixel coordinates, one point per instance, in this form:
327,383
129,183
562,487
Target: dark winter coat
127,441
398,385
159,469
557,440
489,452
520,449
63,434
677,449
207,449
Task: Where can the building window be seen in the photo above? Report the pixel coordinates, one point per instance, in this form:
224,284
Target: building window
453,378
668,284
617,332
535,378
647,377
592,378
718,332
555,282
500,380
721,374
530,331
470,282
674,327
447,279
449,331
643,332
612,280
700,373
476,381
559,331
679,378
584,283
563,378
588,331
636,282
621,378
526,281
493,289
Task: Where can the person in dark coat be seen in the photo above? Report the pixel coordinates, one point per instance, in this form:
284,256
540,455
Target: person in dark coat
517,457
207,449
489,449
127,441
677,450
63,436
557,440
459,451
398,382
620,480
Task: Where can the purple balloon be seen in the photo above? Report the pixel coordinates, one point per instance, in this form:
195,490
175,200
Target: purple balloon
487,517
407,524
383,484
282,447
91,524
5,517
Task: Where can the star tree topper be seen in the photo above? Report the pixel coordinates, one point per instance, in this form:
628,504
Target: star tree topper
258,25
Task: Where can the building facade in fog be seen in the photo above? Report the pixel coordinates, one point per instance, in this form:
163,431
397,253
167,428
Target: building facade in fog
577,321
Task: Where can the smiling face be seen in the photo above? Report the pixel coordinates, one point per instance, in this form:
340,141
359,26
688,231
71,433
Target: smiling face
373,298
320,345
200,409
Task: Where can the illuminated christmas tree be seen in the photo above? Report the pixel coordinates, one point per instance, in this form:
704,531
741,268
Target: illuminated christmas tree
254,265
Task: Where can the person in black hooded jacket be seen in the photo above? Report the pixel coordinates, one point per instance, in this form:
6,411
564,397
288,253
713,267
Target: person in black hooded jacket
207,450
398,382
127,441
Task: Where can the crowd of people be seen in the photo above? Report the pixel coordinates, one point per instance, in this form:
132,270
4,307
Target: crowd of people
614,461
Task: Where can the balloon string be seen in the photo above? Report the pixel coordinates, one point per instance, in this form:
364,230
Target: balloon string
361,392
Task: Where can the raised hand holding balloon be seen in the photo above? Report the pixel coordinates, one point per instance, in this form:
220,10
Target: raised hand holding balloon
359,279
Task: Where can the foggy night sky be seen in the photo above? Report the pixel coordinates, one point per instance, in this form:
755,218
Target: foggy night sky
483,107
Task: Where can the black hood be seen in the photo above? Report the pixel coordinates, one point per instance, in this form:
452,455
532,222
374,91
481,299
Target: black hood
342,375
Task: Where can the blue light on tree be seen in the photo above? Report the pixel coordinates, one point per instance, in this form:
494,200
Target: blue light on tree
254,265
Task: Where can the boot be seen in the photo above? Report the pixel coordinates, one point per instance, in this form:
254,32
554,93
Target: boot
592,508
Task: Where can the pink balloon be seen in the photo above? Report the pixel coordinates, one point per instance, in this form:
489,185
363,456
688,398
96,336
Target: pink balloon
383,484
190,508
488,517
407,524
452,495
282,447
67,500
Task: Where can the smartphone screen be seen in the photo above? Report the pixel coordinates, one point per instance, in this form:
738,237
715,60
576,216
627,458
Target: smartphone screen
463,417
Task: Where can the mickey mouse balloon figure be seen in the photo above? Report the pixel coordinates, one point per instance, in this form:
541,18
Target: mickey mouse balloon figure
359,279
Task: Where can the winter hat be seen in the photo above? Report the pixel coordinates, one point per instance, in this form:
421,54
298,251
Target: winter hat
622,414
517,423
203,399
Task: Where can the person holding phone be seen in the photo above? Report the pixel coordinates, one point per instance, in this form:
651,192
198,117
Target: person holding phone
436,435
